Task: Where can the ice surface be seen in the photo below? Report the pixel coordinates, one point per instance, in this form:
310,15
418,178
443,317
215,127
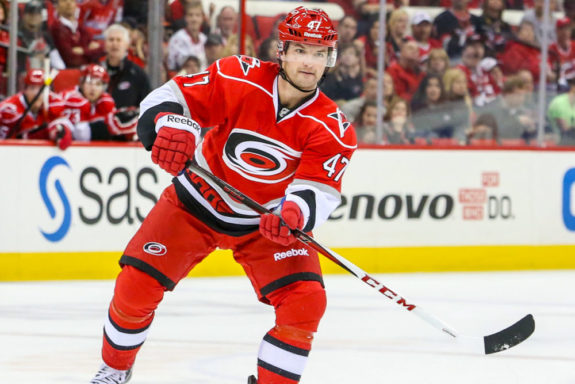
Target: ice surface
208,331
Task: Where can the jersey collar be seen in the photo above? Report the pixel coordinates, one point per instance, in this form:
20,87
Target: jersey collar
292,113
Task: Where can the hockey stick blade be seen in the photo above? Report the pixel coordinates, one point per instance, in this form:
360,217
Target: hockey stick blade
510,337
497,342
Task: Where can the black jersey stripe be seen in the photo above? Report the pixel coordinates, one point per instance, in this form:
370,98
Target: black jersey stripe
121,347
147,268
285,346
278,371
286,280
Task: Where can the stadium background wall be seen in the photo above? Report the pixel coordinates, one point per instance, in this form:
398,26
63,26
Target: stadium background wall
68,215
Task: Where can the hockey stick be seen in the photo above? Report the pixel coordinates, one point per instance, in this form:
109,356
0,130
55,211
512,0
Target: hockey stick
499,341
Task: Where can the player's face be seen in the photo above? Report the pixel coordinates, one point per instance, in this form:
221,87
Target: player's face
304,64
92,89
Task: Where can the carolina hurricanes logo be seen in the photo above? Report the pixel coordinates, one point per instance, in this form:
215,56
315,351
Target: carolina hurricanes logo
248,63
341,121
259,158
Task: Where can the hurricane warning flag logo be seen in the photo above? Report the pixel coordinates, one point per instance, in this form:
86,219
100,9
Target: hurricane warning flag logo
259,158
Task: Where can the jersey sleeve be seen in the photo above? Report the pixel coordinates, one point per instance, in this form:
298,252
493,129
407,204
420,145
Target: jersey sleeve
316,187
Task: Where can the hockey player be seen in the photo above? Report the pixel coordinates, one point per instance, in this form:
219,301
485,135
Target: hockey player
27,115
276,137
93,111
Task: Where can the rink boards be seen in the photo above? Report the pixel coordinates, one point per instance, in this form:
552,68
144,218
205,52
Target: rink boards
68,215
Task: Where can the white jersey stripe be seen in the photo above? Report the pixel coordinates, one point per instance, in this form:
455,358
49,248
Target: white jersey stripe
124,339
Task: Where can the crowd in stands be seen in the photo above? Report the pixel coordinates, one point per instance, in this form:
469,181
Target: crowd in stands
462,77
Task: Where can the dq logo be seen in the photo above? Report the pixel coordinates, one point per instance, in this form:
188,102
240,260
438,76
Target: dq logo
45,172
568,203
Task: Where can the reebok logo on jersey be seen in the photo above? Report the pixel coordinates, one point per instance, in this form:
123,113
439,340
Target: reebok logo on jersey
291,253
155,249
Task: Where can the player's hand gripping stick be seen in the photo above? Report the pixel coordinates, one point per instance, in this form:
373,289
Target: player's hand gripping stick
279,228
176,141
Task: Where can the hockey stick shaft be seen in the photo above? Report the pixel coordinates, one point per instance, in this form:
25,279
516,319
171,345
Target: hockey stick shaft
331,255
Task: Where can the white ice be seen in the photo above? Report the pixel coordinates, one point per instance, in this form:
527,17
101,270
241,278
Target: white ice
208,331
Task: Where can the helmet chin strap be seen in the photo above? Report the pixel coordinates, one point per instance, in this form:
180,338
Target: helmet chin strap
284,76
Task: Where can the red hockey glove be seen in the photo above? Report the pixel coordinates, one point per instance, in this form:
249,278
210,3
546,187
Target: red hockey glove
60,133
176,141
272,228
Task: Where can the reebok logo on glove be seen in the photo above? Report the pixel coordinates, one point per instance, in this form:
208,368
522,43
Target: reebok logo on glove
183,120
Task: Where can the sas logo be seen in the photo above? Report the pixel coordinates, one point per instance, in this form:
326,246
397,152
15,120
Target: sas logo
155,249
291,253
60,212
568,199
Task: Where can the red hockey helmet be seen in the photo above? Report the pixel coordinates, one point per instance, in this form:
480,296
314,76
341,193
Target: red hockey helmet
34,77
309,26
94,72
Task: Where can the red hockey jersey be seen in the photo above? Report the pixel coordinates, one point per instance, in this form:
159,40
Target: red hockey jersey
97,15
482,86
301,155
563,61
13,108
82,112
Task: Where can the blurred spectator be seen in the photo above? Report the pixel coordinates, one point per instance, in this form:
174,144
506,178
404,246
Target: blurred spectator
26,115
453,26
97,15
491,66
4,39
226,22
190,66
352,107
347,29
368,44
512,120
34,37
189,40
561,114
482,87
523,53
458,101
484,129
214,48
268,50
397,128
93,112
405,72
397,26
494,30
365,123
137,51
438,62
232,46
421,31
72,40
570,13
345,81
562,54
431,116
535,17
129,84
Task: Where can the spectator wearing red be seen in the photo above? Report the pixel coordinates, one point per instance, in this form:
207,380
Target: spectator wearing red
522,53
33,114
97,15
406,72
72,39
482,87
421,28
494,30
93,111
562,54
453,26
368,44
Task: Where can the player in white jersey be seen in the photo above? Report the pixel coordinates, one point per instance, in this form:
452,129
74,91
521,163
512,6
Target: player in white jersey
277,138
